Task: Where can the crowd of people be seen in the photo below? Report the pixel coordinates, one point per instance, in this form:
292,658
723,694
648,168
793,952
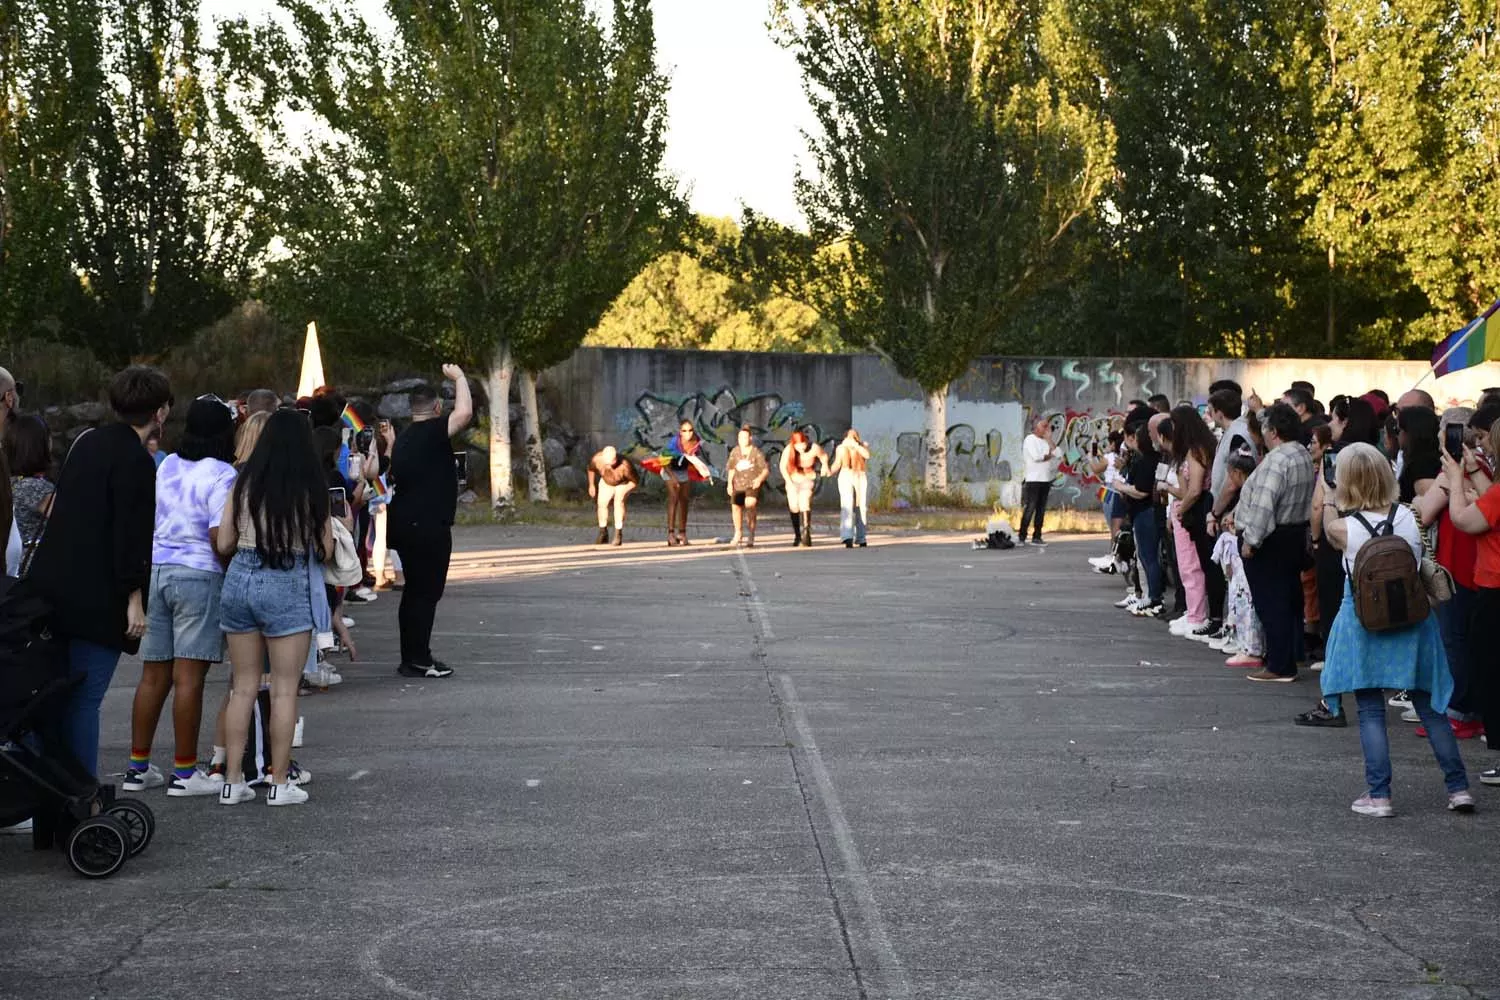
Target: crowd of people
612,477
249,538
1359,539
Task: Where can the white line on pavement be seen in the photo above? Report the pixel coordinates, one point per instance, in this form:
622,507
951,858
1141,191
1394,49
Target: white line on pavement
757,606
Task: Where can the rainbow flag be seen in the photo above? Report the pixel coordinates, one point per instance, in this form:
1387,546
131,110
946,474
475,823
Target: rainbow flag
1474,344
380,488
351,419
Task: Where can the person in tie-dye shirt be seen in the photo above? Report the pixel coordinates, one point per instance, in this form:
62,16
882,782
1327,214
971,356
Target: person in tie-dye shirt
182,626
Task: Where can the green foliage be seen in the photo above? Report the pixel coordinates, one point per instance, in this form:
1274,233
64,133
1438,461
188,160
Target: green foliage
955,156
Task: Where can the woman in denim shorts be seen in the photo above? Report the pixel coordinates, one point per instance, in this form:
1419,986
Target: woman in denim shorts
276,526
182,602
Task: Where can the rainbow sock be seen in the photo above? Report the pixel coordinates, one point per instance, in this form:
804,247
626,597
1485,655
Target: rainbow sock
184,767
140,759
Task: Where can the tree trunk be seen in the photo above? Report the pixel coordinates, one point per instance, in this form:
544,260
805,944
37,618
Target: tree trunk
937,439
536,458
502,484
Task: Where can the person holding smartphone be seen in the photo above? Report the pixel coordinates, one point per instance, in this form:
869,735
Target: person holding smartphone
421,516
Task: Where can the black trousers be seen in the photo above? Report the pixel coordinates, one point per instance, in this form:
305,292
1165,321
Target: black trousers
1275,577
1034,504
1484,661
425,551
1214,583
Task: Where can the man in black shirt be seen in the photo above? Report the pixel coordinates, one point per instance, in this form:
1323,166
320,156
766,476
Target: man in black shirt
420,522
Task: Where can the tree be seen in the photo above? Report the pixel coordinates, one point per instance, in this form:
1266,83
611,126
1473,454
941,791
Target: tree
954,159
490,183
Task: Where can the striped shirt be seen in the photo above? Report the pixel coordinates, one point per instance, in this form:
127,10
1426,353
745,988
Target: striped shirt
1278,493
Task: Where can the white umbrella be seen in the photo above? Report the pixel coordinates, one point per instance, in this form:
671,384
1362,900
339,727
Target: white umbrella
312,364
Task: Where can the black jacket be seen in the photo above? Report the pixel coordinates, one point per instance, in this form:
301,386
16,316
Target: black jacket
97,545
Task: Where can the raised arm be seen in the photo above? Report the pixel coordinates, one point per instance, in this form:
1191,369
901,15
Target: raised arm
463,403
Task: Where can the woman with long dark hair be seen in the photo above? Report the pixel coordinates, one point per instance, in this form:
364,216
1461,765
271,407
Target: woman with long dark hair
1139,489
1421,463
182,605
28,452
1193,448
685,458
276,526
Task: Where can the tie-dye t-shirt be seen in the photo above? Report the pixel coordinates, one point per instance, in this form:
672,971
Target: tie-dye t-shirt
189,501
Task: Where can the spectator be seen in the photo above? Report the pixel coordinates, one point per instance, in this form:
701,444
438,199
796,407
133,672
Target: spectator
28,453
153,446
1245,643
1160,403
1420,443
10,398
1480,424
1354,421
1416,399
261,401
94,562
421,515
612,477
182,624
1226,385
1273,519
1479,514
380,552
1226,412
1139,489
1193,450
1041,457
1301,401
247,437
1365,662
276,526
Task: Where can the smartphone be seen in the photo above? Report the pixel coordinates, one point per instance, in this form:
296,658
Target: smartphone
338,502
1453,441
1329,461
461,466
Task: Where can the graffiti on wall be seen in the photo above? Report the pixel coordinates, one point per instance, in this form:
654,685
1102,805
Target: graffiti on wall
971,459
716,416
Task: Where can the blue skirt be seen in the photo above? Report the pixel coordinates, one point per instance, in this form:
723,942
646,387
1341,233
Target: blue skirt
1410,659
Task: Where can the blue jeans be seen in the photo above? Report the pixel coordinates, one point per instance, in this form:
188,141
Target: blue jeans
95,664
1453,623
1148,551
1377,747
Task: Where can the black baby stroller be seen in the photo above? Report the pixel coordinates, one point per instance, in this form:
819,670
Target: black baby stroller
39,778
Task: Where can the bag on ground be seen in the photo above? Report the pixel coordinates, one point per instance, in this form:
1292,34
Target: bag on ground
1386,580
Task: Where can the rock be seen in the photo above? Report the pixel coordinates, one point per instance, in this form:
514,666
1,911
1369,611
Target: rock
555,452
404,385
53,412
88,413
568,479
394,406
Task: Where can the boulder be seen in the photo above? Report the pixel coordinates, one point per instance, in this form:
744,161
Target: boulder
568,479
555,452
89,413
404,385
394,406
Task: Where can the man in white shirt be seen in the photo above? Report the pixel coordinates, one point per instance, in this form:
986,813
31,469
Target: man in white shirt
1041,456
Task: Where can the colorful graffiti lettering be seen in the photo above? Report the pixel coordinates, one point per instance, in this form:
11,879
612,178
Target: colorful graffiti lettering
970,458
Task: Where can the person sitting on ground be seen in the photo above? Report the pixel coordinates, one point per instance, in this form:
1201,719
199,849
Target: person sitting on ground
1478,514
747,470
28,453
612,477
277,528
182,607
850,461
1364,506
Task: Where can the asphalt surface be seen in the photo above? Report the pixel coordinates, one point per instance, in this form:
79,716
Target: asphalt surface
913,770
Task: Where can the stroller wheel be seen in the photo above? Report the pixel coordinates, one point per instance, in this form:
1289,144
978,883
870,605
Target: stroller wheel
98,847
138,820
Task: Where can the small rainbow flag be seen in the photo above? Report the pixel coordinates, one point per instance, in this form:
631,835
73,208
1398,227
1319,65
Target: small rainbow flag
1474,344
351,419
380,488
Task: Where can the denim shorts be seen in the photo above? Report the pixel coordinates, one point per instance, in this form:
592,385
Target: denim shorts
182,615
257,598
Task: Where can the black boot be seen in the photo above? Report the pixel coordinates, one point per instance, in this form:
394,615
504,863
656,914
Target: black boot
796,529
603,538
620,535
807,528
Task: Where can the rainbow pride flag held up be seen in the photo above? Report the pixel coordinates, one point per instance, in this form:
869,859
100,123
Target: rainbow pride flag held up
381,488
1474,344
351,419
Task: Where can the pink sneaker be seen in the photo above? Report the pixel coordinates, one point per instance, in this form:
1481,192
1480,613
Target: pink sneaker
1243,660
1366,806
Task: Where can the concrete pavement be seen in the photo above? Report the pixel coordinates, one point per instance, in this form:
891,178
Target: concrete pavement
913,770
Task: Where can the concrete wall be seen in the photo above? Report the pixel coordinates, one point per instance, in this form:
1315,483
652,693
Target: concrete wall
635,400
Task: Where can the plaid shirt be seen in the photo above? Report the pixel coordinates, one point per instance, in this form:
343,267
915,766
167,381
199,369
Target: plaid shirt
1279,492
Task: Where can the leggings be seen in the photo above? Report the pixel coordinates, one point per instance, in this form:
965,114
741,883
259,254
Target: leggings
679,493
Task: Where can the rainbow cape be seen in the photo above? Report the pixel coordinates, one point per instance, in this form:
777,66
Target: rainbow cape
1474,344
351,419
659,462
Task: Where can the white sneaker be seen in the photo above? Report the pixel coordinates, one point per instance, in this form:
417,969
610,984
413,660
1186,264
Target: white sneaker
327,677
1181,626
198,783
364,594
234,794
348,622
298,775
1102,562
139,781
289,794
297,734
1400,700
1410,715
1128,602
19,828
1316,667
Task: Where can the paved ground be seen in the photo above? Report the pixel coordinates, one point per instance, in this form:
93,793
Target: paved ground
910,771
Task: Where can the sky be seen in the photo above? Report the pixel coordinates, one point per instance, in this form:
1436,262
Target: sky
736,108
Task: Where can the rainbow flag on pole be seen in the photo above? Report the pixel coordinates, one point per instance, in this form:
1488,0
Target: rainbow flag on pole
1474,344
351,420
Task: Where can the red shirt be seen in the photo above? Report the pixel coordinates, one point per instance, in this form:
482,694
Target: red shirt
1487,569
1458,551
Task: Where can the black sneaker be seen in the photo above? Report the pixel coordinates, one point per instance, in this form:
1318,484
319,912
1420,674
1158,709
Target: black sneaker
1490,777
436,669
1321,717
